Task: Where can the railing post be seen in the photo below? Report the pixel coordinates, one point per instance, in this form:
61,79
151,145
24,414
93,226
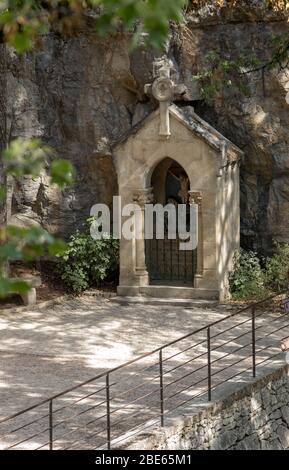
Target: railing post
253,343
209,364
161,386
50,425
108,411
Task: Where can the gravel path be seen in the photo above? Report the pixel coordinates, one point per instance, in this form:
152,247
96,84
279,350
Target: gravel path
44,351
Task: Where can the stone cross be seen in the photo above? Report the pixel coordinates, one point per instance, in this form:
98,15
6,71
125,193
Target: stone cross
164,90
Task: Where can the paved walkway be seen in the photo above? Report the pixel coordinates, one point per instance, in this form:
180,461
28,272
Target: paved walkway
44,351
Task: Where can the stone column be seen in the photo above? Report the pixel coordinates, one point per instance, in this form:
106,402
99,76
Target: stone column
195,197
141,197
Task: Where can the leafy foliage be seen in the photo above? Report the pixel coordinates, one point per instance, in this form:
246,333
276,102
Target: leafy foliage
61,172
12,286
25,157
221,73
277,268
28,157
281,44
153,17
23,21
87,262
26,243
253,277
276,5
247,280
19,243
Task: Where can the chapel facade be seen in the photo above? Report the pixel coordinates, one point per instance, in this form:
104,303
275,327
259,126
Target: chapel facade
175,157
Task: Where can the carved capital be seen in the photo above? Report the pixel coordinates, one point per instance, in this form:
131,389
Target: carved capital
195,197
143,196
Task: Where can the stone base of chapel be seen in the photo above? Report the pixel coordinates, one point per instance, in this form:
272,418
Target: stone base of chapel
168,292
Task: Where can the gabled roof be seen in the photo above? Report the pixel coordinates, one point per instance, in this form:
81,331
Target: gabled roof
196,125
204,130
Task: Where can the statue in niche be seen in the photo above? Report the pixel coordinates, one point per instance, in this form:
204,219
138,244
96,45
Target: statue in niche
185,186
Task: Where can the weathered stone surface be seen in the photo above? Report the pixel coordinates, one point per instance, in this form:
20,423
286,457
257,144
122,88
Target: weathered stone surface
273,444
285,414
259,123
75,95
224,441
283,434
250,442
260,428
81,94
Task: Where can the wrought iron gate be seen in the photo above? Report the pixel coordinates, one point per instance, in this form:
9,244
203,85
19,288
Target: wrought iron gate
166,262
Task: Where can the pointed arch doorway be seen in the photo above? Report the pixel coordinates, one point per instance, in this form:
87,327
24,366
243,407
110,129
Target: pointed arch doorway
166,263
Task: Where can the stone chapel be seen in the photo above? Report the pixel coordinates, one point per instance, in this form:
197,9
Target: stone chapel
174,155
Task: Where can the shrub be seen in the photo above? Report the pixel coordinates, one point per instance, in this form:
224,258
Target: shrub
87,262
277,268
247,279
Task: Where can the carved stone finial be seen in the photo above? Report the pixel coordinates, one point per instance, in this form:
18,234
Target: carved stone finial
162,67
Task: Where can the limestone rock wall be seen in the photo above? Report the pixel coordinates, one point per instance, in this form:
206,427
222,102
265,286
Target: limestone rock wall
75,95
259,123
81,94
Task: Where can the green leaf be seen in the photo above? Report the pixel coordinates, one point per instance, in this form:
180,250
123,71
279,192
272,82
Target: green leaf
10,286
19,287
26,20
25,157
58,247
22,42
4,287
62,172
86,262
10,251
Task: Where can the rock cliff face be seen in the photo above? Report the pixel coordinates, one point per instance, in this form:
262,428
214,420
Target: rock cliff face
81,94
257,123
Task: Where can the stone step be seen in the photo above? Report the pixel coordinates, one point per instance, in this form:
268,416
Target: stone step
169,292
189,303
178,292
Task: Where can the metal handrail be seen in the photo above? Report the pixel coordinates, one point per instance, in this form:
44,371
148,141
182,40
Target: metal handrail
108,384
142,356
